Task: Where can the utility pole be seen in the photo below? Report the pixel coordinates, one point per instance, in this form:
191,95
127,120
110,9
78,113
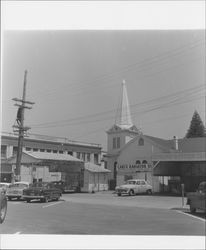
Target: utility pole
19,127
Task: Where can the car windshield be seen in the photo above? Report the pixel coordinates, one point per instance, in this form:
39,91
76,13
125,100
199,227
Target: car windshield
39,184
19,185
131,182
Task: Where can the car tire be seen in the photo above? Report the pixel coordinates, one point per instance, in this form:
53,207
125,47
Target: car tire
131,192
119,194
149,191
192,209
3,210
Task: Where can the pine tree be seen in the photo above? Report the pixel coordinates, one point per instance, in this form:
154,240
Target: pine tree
197,128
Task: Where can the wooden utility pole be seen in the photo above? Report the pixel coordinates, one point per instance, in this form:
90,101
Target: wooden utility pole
19,127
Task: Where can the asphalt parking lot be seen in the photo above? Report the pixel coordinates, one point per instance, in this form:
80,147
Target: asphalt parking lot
104,213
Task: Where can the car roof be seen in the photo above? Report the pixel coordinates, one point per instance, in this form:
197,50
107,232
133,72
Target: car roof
136,180
21,182
5,183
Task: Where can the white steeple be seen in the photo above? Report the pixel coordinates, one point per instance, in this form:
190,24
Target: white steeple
124,120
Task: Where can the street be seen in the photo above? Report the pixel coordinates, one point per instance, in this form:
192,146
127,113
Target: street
103,213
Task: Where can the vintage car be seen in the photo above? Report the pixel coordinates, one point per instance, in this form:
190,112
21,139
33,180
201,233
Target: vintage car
197,200
65,187
43,191
15,190
132,187
3,206
4,186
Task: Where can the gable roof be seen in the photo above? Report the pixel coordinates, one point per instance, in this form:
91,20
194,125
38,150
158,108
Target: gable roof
185,145
52,156
35,157
197,144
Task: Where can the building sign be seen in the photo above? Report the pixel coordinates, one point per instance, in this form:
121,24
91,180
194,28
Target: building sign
134,167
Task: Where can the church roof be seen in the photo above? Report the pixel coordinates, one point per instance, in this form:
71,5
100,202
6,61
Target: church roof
123,119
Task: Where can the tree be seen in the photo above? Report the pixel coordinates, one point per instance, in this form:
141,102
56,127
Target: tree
197,128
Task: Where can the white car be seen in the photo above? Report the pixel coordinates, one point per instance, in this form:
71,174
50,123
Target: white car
135,186
15,191
4,186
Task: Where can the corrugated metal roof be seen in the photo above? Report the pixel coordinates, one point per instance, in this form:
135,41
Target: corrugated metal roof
185,145
95,168
52,156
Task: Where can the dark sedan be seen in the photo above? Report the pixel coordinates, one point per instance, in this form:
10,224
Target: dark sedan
3,206
43,191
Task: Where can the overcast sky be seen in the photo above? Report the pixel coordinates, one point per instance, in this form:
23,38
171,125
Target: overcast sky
74,76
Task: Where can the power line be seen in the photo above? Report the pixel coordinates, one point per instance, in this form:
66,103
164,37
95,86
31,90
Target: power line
143,63
167,104
138,105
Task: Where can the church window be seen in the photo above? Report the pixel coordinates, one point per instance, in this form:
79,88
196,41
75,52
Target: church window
141,142
116,142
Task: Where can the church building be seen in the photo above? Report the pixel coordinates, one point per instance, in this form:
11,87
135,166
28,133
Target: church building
164,164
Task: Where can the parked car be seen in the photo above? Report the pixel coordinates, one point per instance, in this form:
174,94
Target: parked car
43,191
15,190
132,187
3,206
4,186
197,200
64,186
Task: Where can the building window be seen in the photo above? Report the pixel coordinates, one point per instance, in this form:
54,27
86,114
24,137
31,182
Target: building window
88,157
78,155
60,152
144,162
141,142
15,150
116,142
28,149
55,151
48,150
83,156
96,158
35,149
138,162
42,150
3,151
70,153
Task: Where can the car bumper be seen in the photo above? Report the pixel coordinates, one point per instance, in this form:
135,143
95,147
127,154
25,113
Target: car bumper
122,191
33,196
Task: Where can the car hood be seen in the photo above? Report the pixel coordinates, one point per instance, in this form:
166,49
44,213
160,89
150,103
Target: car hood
15,188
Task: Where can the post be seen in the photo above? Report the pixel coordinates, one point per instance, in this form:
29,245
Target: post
20,126
183,191
21,132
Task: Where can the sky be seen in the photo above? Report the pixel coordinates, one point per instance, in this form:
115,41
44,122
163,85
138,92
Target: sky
74,78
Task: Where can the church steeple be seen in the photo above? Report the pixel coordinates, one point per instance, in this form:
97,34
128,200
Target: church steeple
123,119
